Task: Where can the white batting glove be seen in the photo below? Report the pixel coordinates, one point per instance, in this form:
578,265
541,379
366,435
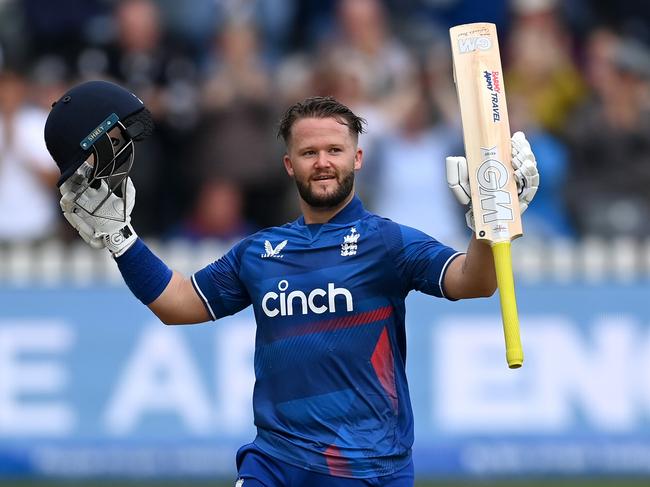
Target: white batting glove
105,227
525,166
525,172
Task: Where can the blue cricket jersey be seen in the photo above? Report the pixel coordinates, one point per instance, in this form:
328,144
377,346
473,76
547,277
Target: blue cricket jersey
330,349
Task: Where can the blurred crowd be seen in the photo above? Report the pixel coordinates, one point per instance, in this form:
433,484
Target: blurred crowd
217,74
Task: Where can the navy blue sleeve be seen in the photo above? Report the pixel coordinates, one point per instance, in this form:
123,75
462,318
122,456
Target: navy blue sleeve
421,260
219,286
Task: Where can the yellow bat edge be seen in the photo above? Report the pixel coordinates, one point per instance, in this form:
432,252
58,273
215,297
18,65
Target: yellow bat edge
506,284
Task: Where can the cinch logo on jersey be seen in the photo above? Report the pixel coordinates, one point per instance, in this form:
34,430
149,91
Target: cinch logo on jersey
317,301
493,83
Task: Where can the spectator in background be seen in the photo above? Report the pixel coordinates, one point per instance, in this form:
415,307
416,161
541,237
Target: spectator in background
540,65
451,12
543,86
49,77
237,108
314,21
365,39
190,25
141,58
347,81
28,208
631,17
549,217
207,99
237,71
273,21
136,55
370,70
218,213
293,79
439,81
412,172
63,28
609,142
418,21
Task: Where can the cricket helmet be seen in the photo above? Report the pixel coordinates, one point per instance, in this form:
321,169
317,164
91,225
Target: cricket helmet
85,122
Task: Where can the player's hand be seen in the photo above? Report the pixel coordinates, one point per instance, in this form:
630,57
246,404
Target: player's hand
525,172
107,227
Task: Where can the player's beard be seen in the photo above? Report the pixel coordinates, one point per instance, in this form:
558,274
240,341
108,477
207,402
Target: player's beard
327,200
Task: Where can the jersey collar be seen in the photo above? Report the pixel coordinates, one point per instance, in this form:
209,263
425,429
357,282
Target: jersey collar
351,212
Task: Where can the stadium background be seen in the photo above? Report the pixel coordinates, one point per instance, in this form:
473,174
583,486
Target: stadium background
94,392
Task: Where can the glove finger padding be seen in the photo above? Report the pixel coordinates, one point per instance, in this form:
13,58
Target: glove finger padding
73,187
67,202
525,166
101,217
97,199
458,178
91,198
469,218
78,181
85,230
105,206
458,182
130,196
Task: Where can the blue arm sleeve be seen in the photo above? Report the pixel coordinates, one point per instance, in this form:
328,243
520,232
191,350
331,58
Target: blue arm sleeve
219,286
421,260
145,274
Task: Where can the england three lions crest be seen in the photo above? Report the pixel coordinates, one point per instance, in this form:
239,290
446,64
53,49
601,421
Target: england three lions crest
350,243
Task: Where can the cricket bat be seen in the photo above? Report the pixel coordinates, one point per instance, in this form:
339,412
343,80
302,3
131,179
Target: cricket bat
486,132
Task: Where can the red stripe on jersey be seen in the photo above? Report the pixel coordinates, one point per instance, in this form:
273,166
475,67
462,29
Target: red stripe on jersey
382,362
339,323
338,465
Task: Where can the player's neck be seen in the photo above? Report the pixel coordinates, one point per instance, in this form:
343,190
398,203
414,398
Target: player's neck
322,215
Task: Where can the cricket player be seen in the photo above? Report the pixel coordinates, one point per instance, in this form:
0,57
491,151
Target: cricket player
331,400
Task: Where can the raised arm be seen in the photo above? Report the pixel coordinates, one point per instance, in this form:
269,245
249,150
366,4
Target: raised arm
179,303
169,294
91,133
471,275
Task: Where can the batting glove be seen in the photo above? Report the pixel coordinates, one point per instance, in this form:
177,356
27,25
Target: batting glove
109,226
525,173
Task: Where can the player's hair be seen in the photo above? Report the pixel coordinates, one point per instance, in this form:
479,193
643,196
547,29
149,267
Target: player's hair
320,107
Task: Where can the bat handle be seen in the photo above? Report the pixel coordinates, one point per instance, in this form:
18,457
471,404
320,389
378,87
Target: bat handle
505,281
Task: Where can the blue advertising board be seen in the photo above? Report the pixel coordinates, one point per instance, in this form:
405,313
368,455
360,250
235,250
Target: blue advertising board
92,384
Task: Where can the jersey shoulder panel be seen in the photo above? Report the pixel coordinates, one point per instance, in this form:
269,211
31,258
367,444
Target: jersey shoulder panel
223,285
421,260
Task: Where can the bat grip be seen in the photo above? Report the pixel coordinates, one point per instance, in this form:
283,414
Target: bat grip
505,281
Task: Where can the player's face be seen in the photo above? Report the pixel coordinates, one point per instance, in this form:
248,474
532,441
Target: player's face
322,156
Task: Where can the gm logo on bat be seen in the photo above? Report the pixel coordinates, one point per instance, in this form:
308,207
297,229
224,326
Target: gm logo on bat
469,44
492,177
